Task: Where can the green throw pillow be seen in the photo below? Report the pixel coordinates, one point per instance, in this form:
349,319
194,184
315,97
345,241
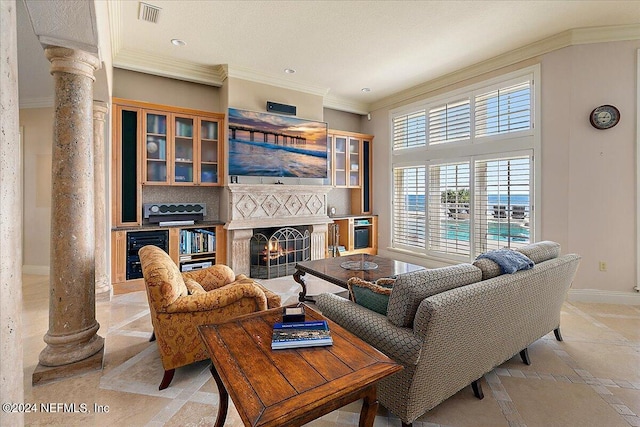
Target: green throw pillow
374,296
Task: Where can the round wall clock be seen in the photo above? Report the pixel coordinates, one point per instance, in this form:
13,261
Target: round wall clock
604,117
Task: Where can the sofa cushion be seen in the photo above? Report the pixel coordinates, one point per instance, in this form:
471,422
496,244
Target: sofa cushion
411,288
194,287
541,251
374,296
490,269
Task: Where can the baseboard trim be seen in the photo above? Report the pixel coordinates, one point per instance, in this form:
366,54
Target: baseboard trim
608,297
40,270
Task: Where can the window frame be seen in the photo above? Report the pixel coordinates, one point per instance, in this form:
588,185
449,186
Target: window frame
517,143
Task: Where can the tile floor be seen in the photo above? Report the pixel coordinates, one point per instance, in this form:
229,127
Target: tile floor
590,379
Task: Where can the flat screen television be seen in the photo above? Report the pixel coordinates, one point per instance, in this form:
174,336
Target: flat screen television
265,144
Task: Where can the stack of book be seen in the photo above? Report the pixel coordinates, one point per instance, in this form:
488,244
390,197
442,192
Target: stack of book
301,334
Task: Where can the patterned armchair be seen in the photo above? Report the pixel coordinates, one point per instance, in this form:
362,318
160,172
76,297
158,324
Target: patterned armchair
180,302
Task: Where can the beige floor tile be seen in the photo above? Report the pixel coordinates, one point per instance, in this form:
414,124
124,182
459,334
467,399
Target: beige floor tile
628,397
465,410
194,414
543,359
610,361
546,404
600,340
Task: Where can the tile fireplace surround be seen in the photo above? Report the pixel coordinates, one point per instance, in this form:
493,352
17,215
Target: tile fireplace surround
272,205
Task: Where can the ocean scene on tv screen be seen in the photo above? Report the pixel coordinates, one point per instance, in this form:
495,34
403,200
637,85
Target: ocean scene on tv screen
264,144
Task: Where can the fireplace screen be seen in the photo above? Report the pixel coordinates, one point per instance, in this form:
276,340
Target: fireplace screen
275,252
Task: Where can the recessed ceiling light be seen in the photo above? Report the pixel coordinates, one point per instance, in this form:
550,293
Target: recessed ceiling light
366,89
178,42
289,70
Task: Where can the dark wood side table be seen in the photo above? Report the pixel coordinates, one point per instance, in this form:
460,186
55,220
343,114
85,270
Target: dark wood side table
291,387
331,270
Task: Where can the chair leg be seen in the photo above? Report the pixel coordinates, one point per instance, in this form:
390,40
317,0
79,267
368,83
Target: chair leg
557,333
477,389
153,336
166,380
524,355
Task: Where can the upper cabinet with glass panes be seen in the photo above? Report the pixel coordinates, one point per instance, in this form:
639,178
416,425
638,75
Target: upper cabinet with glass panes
182,149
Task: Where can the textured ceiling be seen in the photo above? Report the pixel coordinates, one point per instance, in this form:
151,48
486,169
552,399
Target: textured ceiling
339,47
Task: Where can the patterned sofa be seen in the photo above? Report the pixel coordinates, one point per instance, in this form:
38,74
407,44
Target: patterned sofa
180,302
449,326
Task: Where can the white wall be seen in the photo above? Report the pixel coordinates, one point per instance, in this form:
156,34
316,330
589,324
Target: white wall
588,176
37,125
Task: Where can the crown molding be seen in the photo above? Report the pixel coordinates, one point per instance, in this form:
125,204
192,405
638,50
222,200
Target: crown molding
37,102
129,59
561,40
344,104
269,79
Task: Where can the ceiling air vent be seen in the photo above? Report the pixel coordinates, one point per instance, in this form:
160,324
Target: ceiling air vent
149,13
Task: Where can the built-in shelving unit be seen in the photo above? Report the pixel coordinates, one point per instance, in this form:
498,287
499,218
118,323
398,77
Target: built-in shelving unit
355,234
161,145
197,248
190,247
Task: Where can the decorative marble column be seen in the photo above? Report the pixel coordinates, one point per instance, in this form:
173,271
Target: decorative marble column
103,284
73,346
11,380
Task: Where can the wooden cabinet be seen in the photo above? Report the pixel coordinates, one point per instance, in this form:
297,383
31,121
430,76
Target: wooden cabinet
161,145
155,166
351,164
190,247
181,149
354,235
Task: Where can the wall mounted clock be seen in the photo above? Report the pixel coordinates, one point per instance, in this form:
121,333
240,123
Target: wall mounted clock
604,117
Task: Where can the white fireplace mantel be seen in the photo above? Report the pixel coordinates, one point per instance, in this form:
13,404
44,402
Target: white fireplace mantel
275,205
249,207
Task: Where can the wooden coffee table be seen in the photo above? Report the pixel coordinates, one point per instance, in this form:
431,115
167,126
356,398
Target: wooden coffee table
295,386
331,270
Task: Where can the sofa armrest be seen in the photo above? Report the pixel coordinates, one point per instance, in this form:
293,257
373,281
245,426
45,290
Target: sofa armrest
218,299
213,277
399,343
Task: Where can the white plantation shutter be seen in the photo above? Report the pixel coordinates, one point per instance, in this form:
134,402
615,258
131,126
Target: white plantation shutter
450,122
409,207
409,130
503,110
503,210
479,193
449,208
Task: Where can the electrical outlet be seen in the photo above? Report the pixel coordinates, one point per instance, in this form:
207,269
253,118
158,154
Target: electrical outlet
602,265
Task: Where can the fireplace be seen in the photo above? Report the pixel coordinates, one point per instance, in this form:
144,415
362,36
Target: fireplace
253,208
275,251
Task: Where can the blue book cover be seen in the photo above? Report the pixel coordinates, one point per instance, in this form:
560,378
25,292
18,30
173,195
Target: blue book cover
314,324
301,334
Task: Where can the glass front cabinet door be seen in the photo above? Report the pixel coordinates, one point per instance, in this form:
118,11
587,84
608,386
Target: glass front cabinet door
184,161
156,149
340,161
209,145
354,162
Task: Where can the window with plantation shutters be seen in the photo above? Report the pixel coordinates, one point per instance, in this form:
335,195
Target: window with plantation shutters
409,130
503,207
468,185
409,207
450,122
449,208
503,110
